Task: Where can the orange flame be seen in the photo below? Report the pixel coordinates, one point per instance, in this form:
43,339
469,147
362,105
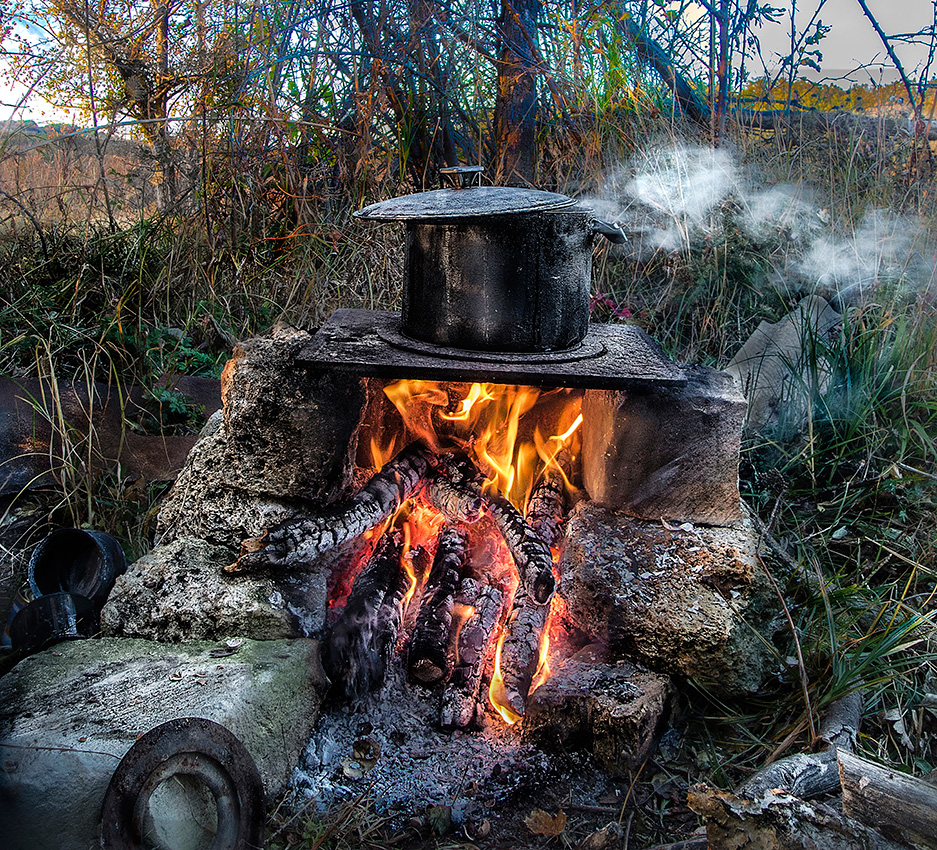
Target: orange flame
406,561
496,688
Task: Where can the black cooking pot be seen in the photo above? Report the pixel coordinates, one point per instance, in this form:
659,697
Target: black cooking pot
494,268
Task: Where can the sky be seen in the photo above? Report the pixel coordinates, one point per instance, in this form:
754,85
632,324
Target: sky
851,42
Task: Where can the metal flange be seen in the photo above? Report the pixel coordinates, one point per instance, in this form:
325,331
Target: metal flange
201,750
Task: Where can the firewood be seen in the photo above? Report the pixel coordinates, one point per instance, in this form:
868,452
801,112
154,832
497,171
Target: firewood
427,658
779,820
893,803
361,644
453,499
302,540
520,651
474,649
532,556
807,775
546,507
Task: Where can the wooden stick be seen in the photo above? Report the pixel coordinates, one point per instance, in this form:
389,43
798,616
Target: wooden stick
474,649
807,775
427,657
361,644
888,801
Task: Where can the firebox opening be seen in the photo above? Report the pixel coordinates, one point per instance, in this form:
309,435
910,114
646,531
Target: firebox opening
458,583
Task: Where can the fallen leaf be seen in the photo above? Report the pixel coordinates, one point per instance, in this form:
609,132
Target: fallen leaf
439,819
540,822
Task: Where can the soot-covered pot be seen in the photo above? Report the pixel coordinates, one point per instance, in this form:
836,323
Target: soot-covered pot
495,268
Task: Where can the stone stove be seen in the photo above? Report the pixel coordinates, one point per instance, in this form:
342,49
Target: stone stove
658,573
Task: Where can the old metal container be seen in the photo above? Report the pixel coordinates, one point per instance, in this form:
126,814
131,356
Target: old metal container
495,268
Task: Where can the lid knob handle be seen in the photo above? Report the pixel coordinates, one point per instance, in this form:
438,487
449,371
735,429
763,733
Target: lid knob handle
461,176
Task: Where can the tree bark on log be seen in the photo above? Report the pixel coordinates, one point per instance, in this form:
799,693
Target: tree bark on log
473,650
778,820
361,644
428,657
807,775
532,556
892,803
302,540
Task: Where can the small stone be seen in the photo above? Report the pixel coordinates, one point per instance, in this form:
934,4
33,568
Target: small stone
612,708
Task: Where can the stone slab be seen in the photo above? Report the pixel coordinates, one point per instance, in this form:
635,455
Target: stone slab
614,708
68,715
670,452
685,600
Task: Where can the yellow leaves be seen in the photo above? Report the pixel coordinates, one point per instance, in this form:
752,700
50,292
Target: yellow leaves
540,822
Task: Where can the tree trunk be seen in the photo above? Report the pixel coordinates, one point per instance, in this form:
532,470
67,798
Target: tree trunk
516,103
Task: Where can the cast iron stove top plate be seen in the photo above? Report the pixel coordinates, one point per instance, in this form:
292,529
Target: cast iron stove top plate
369,343
581,351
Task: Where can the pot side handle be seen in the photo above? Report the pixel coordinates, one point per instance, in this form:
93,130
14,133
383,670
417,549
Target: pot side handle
614,234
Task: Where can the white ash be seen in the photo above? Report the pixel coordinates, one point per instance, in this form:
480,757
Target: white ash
419,764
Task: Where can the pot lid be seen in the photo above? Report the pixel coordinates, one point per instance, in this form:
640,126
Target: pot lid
474,202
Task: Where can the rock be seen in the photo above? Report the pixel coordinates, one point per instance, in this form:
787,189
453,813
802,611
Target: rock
670,452
775,361
684,600
68,715
290,428
179,592
202,504
613,709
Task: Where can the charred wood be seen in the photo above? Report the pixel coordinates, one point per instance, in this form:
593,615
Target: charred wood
546,507
474,648
427,658
532,556
525,626
893,803
302,540
807,775
520,651
361,644
452,498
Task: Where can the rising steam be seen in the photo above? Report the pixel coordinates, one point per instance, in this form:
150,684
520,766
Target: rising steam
675,198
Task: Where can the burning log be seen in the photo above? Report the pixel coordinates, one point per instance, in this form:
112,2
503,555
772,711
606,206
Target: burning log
361,644
302,540
451,497
521,655
427,658
531,555
474,648
546,507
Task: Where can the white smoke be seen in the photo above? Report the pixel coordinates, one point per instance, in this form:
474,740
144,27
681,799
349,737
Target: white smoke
673,198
